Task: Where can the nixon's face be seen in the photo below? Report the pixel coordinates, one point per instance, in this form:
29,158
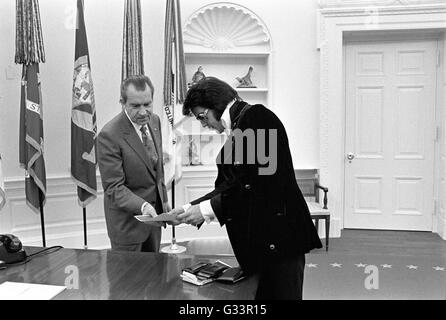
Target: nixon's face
139,104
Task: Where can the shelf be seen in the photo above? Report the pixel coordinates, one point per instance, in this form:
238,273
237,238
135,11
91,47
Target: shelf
199,168
211,54
225,50
251,89
204,134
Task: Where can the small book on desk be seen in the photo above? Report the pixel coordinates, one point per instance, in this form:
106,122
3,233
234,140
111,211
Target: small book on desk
202,273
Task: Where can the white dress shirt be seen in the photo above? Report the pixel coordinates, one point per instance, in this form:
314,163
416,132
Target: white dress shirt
205,206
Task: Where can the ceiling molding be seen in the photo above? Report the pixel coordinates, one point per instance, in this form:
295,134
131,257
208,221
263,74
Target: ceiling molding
376,3
339,8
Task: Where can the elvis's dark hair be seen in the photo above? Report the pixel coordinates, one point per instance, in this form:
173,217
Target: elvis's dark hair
210,93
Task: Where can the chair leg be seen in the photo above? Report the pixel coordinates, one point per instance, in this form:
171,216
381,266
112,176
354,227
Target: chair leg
316,224
327,232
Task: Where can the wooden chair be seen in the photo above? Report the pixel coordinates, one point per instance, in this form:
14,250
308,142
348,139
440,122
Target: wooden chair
308,181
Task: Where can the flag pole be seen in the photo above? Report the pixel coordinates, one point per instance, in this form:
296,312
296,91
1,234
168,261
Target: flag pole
173,206
173,248
172,24
84,209
42,222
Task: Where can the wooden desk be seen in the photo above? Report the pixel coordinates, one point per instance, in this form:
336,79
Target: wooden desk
105,274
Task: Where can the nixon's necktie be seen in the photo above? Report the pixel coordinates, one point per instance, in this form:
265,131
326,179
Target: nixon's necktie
150,146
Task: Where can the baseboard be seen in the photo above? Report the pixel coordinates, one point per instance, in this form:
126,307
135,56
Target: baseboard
441,227
64,225
98,237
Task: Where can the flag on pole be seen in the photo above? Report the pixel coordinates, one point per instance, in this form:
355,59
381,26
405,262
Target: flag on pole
83,118
30,52
31,138
2,187
174,91
132,53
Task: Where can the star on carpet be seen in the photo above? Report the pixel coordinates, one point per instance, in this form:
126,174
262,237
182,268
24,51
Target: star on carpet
360,265
386,266
336,265
412,267
437,268
311,265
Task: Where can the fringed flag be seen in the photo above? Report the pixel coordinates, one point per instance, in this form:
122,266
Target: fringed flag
174,90
83,119
30,52
132,52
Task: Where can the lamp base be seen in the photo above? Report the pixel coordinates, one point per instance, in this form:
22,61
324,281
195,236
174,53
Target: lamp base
173,248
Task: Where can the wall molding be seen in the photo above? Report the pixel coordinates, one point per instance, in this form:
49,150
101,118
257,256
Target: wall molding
367,11
442,227
67,231
323,4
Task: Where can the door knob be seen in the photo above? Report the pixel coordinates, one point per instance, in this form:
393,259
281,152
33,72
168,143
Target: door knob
350,156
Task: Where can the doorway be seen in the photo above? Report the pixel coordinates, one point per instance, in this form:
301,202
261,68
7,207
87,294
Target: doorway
390,133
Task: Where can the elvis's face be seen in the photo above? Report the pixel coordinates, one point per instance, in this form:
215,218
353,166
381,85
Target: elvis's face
208,119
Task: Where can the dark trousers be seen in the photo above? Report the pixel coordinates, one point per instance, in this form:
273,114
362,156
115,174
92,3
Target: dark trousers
281,280
152,243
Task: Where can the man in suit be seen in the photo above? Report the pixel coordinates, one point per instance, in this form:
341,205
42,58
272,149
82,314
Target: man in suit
266,216
131,166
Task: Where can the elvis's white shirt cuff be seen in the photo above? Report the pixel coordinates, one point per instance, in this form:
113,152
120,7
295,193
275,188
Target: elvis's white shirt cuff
186,207
142,207
207,211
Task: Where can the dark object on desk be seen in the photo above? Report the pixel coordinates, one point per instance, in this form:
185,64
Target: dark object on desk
11,249
213,270
202,273
196,267
203,270
231,275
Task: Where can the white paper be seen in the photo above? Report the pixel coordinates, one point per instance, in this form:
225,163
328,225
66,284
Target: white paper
28,291
159,218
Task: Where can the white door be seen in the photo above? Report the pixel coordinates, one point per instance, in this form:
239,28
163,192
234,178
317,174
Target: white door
390,135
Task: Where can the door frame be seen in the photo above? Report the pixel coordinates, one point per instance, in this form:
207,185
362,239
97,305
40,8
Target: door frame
400,36
334,22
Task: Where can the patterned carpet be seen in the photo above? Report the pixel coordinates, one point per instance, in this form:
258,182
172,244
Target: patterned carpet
399,265
338,277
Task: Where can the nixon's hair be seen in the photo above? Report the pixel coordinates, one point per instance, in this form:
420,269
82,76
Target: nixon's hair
139,81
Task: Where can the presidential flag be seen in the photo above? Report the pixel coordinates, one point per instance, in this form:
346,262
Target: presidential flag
2,187
83,119
31,138
174,91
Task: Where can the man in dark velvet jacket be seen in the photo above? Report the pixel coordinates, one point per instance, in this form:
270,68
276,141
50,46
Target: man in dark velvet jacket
256,195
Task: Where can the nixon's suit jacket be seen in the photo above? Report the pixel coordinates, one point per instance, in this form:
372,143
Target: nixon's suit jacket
128,178
266,216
